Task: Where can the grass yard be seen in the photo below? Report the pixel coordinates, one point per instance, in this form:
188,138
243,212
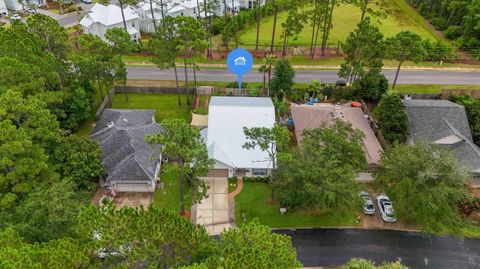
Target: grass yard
431,88
252,203
400,16
169,196
165,105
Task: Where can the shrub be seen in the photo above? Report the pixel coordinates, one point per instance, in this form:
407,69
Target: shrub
392,118
257,179
439,23
370,87
453,32
235,85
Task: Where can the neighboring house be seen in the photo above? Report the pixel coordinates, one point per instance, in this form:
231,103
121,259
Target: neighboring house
101,18
444,123
3,8
310,117
17,6
224,136
145,15
131,164
250,3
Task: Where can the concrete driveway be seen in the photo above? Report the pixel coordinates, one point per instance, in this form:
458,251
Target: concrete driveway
214,212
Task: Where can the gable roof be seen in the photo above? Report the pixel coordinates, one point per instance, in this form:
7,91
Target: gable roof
108,15
444,123
310,117
126,155
224,136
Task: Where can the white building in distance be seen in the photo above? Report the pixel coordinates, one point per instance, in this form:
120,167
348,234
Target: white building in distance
101,18
3,8
14,5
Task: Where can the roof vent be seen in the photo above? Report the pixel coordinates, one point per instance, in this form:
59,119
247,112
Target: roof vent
125,120
110,124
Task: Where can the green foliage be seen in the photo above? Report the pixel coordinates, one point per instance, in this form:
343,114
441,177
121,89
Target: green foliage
183,145
472,108
97,62
404,46
48,212
282,82
364,50
459,18
438,51
52,36
426,184
372,86
163,45
270,140
253,246
61,253
315,88
120,40
366,264
254,92
321,172
141,237
392,117
78,160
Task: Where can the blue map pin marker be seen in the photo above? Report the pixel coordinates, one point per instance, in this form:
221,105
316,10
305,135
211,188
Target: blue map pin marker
239,62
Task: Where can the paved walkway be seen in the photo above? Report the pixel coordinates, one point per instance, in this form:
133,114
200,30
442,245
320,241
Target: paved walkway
237,190
214,211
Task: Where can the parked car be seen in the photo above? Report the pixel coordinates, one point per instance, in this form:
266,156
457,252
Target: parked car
368,207
386,208
87,1
31,10
15,17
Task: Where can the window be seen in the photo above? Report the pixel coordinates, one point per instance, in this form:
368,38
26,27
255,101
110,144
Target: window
259,172
133,24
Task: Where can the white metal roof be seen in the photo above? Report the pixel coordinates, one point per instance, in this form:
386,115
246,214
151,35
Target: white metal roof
109,15
225,137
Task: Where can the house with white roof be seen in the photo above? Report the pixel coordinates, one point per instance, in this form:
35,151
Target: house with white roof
3,8
15,5
145,15
101,18
224,136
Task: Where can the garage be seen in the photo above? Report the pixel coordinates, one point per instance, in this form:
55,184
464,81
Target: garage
218,173
132,187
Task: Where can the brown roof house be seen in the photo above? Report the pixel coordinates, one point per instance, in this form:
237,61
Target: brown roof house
310,117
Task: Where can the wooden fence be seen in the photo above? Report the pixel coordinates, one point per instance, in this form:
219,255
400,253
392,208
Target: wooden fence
108,100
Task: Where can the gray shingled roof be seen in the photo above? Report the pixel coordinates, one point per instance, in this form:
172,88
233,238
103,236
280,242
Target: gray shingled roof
433,120
126,155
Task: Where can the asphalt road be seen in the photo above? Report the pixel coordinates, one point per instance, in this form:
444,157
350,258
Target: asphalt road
334,247
328,76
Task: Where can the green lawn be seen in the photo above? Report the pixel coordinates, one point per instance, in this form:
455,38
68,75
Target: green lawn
165,105
431,88
169,196
400,16
472,231
252,203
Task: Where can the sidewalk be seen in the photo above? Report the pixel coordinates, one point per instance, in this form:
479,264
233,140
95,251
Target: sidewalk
328,67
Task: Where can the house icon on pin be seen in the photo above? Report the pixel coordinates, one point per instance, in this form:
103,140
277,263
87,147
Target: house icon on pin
240,61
